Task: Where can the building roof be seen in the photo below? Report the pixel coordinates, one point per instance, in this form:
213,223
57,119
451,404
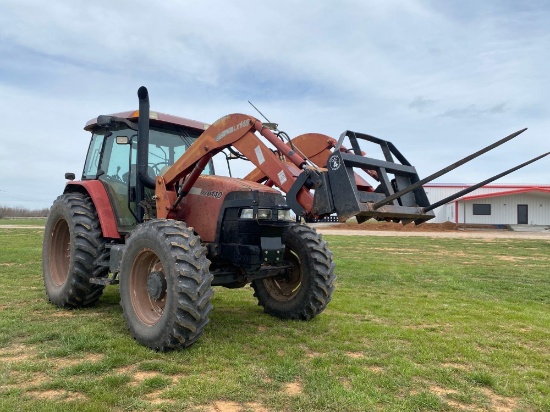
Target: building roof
544,191
496,186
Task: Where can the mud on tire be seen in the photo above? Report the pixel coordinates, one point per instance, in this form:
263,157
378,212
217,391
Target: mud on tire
308,290
72,247
165,285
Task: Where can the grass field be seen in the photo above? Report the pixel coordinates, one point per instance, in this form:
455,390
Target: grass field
414,324
23,221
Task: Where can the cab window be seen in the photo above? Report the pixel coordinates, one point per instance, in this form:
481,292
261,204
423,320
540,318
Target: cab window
91,166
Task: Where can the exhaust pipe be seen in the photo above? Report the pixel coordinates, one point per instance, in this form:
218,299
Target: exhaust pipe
143,140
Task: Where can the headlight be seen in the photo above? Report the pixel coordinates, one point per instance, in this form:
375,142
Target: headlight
247,214
284,214
264,214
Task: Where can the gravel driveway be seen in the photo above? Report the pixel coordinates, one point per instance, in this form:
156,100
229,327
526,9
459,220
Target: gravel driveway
469,233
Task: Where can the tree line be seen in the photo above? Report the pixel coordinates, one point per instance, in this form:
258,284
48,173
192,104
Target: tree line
18,211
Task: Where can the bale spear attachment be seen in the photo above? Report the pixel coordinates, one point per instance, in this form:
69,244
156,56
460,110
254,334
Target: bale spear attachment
400,199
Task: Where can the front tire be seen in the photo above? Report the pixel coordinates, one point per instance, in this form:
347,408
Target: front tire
308,289
165,285
72,247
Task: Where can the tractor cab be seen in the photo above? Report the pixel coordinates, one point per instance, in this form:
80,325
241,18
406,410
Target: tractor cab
113,153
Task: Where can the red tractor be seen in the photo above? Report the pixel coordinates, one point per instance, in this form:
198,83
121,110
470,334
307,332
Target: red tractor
149,214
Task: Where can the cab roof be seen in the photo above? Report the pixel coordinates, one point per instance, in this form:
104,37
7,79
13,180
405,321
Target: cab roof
155,117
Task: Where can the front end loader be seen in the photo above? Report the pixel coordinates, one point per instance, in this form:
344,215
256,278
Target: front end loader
150,214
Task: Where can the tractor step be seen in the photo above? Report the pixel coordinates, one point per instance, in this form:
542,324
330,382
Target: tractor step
104,281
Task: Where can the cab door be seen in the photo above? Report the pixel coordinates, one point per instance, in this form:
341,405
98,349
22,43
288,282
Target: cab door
116,175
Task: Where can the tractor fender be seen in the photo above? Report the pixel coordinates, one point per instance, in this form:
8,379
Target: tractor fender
101,201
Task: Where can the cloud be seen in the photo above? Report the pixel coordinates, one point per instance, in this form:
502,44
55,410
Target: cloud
473,111
421,104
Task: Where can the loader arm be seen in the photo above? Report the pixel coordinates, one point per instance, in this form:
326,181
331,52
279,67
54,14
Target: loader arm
236,130
317,148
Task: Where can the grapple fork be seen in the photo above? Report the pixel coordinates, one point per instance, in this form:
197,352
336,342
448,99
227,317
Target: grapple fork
400,196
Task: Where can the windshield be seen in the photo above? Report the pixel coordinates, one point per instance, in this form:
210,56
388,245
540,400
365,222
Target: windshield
165,147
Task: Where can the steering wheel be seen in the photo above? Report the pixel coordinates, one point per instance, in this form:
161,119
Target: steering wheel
113,178
158,166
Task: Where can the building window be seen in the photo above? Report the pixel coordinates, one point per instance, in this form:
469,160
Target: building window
482,209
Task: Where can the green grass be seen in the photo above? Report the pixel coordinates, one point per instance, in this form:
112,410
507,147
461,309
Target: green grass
23,221
414,324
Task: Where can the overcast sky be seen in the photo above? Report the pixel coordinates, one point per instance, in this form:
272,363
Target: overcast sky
438,79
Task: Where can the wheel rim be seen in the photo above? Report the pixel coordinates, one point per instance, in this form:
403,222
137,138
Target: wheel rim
285,288
60,252
149,309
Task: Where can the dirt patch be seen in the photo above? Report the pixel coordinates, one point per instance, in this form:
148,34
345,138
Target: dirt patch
126,370
312,355
511,258
293,388
23,353
139,376
459,366
20,357
439,391
51,394
24,380
62,314
497,403
444,393
500,403
226,406
346,383
35,380
255,407
355,355
446,327
68,362
395,250
17,353
57,395
154,398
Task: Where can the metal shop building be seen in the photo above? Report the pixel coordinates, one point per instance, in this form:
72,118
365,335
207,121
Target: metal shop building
492,204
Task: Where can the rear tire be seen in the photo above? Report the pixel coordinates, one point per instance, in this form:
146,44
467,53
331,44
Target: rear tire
165,285
73,245
308,290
